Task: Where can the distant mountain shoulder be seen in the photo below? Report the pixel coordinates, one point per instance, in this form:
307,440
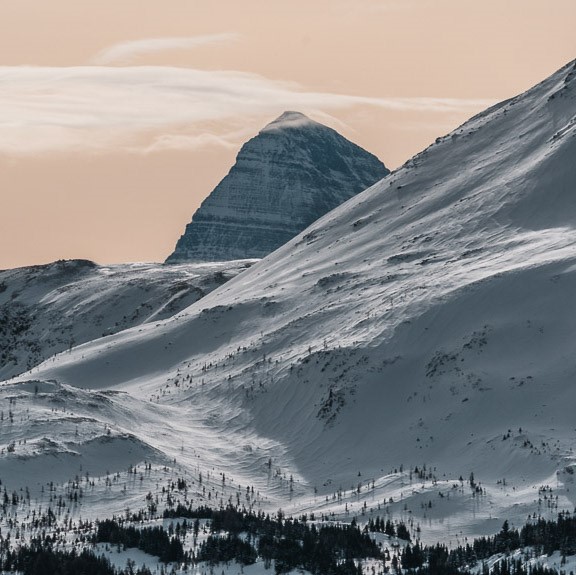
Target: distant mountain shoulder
289,175
46,309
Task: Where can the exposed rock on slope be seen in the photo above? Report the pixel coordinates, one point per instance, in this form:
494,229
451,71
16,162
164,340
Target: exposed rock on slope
293,172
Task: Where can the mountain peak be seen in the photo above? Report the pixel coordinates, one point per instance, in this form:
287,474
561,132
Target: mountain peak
284,179
290,119
291,115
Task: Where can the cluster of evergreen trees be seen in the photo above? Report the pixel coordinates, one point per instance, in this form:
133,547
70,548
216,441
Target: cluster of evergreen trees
290,543
243,536
183,511
378,525
152,540
517,567
544,536
39,559
225,549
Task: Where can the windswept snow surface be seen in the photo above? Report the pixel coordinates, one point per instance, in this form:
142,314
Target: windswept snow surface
49,308
426,322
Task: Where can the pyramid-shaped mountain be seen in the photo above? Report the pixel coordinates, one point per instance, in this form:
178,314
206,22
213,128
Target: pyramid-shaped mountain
292,173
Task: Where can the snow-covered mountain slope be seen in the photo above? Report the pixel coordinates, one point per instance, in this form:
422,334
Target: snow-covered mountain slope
50,308
426,322
289,175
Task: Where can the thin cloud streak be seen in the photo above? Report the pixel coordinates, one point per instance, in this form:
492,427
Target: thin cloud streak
126,52
178,142
46,109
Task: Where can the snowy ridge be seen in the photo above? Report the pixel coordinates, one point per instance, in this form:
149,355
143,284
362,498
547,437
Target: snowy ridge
294,171
50,308
426,322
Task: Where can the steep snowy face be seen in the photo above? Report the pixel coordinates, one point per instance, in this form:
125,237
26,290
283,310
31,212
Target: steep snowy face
488,204
293,172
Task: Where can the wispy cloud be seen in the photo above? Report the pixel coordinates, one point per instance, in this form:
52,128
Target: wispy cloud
195,141
46,109
126,52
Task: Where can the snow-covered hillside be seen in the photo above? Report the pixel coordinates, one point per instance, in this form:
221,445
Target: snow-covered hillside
50,308
426,323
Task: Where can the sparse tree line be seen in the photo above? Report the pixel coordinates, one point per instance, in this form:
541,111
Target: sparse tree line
235,534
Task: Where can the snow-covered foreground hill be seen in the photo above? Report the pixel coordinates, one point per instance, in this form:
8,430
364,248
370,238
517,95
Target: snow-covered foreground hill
50,308
426,323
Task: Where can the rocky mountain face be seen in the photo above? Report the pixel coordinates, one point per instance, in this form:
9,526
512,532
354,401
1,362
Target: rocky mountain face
293,172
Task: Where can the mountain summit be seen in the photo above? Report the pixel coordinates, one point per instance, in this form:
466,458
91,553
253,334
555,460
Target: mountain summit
289,175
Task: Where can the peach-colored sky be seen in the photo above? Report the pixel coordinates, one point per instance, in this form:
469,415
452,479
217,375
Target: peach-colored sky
118,117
